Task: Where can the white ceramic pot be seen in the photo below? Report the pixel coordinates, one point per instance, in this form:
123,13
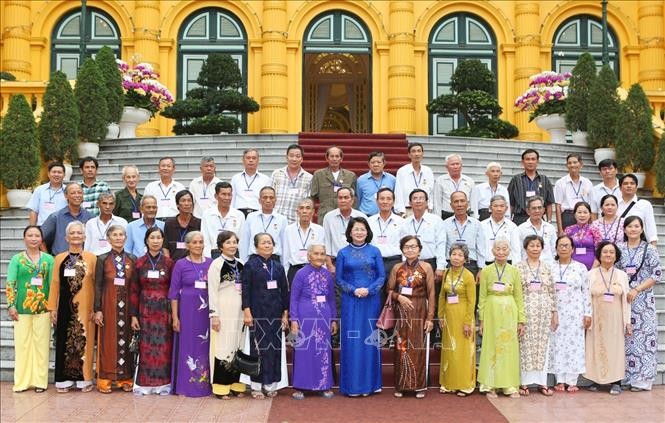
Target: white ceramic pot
600,154
18,198
131,118
580,138
555,124
112,131
68,171
641,178
88,149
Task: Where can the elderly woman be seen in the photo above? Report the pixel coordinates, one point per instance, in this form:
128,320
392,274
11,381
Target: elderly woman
115,277
502,321
225,295
265,304
313,314
541,316
573,302
640,261
609,224
584,235
151,315
605,344
70,302
177,227
128,199
189,312
27,288
456,314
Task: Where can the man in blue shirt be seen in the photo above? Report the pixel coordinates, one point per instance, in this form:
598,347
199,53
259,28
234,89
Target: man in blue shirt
369,183
136,230
54,227
49,197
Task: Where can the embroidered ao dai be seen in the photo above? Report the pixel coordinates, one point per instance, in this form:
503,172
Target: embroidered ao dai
585,239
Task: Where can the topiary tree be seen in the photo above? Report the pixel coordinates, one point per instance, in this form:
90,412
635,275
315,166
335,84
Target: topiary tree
474,98
577,103
660,167
635,144
208,109
90,98
108,67
59,124
603,116
19,167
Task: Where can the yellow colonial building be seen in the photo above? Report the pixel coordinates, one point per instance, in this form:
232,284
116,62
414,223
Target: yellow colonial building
347,66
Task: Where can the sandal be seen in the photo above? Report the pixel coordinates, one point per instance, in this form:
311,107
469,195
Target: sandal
524,390
258,395
636,389
545,390
461,394
327,394
271,394
298,395
559,387
62,390
516,394
615,389
592,388
442,390
238,394
88,388
491,394
40,390
420,395
223,397
572,388
126,387
398,394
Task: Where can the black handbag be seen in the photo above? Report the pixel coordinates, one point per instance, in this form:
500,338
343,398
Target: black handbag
245,363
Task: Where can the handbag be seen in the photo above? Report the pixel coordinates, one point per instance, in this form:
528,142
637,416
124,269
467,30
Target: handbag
387,317
245,363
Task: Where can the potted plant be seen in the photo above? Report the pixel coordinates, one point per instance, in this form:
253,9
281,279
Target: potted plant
577,103
19,167
112,78
59,123
90,97
546,100
603,116
635,144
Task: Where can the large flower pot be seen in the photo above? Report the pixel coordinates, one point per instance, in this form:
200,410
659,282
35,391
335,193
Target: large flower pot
88,149
131,118
112,131
600,154
580,138
641,178
68,172
18,198
555,124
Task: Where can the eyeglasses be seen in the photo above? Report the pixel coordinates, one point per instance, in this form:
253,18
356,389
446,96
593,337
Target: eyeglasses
411,247
536,208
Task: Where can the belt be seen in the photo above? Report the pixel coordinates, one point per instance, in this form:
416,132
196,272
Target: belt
298,266
487,263
248,210
567,212
474,262
396,257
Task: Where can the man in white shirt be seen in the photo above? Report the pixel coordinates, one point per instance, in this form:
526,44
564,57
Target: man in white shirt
165,189
463,229
265,220
413,176
248,183
386,226
298,237
95,228
291,183
221,218
630,205
203,187
499,225
49,197
483,193
570,190
535,225
610,185
448,183
335,223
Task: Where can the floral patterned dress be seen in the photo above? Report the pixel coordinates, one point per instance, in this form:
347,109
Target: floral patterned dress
585,239
609,231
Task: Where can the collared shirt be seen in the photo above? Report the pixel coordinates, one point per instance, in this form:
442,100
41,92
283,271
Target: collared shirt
258,222
204,194
296,242
325,185
136,230
444,186
505,229
366,189
468,234
91,195
600,190
644,210
46,201
547,232
406,181
567,193
174,235
520,185
165,195
246,189
481,195
95,234
213,223
335,225
432,235
54,228
386,234
290,191
126,206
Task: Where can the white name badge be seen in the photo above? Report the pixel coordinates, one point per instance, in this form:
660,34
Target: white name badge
70,272
580,251
499,286
86,204
320,298
48,206
336,188
453,299
530,194
180,245
534,286
561,286
119,281
153,274
238,286
165,201
136,215
200,285
406,290
294,191
204,202
608,297
302,254
36,281
631,270
102,243
382,240
272,284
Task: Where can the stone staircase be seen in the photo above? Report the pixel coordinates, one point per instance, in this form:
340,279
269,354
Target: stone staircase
227,151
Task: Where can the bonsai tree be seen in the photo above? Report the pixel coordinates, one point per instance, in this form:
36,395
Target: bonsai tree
59,124
91,100
115,95
577,103
209,109
603,116
635,144
473,97
19,167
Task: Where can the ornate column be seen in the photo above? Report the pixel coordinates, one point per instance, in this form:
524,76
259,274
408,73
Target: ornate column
527,59
146,47
16,39
652,44
401,69
274,77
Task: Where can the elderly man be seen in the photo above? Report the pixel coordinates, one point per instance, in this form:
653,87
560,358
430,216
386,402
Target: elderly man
483,193
55,225
298,237
529,184
371,182
461,228
414,175
386,226
165,189
222,218
291,183
335,223
248,183
136,230
48,198
95,228
327,181
92,187
497,226
203,187
448,183
537,226
128,199
264,220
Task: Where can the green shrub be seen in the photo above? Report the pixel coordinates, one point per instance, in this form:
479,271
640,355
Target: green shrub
577,103
59,124
91,101
19,167
108,68
660,167
635,143
603,118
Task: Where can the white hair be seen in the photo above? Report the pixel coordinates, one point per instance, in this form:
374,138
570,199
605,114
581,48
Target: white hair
129,167
452,156
492,164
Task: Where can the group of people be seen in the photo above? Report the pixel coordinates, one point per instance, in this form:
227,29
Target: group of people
173,282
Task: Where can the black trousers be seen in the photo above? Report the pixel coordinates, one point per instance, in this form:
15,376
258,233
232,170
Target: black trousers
567,218
293,269
518,219
484,214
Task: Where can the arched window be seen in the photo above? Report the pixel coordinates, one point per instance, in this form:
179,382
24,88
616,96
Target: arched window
581,34
100,30
456,38
206,31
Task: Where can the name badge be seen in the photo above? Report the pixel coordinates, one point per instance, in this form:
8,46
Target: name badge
534,286
499,286
238,286
294,191
461,240
383,240
165,201
48,206
102,243
272,284
561,286
136,215
302,254
153,274
453,299
180,245
204,202
631,269
608,297
248,190
580,251
320,298
36,281
200,284
530,194
86,204
336,188
70,272
406,290
119,281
